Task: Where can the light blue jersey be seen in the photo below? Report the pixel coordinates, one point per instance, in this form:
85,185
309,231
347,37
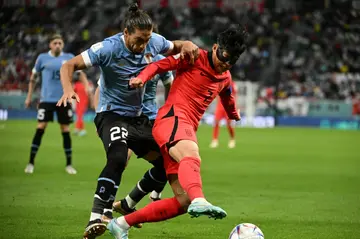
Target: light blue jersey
118,65
150,108
49,67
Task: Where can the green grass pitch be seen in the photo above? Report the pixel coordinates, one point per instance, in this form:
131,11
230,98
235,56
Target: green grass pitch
292,183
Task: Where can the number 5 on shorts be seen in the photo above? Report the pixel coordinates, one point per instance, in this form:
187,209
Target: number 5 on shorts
117,133
41,114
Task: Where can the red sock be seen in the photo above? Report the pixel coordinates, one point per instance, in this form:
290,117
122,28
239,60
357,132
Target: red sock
230,129
157,211
216,131
190,178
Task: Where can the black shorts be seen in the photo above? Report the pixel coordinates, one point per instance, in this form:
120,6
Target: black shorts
136,132
46,113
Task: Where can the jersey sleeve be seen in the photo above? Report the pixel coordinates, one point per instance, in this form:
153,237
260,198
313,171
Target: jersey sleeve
169,63
228,101
161,45
167,78
98,54
37,66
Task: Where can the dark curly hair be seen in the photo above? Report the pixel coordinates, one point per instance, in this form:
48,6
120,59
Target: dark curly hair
233,40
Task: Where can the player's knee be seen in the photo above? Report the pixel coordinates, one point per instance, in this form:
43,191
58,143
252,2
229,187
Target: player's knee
117,156
64,128
184,148
42,125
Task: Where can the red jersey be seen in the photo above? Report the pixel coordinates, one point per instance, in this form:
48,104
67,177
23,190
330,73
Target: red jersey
79,88
194,87
219,105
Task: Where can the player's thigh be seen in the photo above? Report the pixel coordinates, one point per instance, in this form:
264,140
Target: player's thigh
45,112
64,114
111,129
184,148
178,191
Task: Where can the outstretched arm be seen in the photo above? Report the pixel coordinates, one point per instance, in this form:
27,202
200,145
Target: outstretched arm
169,63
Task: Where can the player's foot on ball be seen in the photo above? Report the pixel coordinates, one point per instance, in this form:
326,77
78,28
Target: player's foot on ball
123,208
29,168
70,169
214,143
116,230
204,208
232,143
82,133
94,229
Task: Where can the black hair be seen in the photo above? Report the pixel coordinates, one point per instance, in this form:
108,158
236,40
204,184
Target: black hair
54,37
137,19
233,40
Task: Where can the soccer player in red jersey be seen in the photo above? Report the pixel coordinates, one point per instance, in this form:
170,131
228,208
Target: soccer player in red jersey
220,114
84,94
193,89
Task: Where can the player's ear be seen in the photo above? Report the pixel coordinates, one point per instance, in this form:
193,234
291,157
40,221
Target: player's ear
126,32
214,48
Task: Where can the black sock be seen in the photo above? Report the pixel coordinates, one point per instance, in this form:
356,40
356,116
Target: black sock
152,180
110,177
67,147
35,144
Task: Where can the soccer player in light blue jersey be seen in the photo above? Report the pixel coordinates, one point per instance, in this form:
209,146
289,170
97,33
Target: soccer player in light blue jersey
48,66
119,119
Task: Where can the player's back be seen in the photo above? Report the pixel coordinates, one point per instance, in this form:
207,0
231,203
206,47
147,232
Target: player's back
49,67
194,88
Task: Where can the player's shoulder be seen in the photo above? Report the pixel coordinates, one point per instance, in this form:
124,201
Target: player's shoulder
68,55
156,42
44,55
112,43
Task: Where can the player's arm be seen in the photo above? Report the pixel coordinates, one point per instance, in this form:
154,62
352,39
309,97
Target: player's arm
96,97
34,74
185,48
169,63
99,54
228,100
32,84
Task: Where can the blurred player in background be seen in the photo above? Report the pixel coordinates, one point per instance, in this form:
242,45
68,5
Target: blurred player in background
220,114
194,88
48,66
119,120
81,107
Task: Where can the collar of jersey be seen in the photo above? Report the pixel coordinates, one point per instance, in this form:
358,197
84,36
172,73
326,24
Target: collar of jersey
141,55
209,56
49,52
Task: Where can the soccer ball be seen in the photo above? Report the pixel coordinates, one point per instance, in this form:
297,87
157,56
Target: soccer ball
246,231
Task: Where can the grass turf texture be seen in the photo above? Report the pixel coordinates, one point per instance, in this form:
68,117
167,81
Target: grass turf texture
292,183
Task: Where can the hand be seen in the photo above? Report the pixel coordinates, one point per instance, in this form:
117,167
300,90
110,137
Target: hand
191,50
238,117
67,96
136,83
27,102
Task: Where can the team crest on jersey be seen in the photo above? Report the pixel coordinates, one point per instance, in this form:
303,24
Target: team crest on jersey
148,58
122,62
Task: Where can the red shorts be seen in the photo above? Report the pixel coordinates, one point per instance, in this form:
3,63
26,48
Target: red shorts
166,132
220,113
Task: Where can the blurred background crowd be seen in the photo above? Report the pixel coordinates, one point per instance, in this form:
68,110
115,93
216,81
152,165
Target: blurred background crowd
303,49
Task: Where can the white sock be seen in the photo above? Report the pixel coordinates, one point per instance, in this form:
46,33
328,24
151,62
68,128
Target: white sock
108,210
131,203
155,194
122,223
94,216
199,200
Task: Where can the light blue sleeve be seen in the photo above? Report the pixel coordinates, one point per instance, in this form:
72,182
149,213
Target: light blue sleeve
98,54
160,44
37,67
